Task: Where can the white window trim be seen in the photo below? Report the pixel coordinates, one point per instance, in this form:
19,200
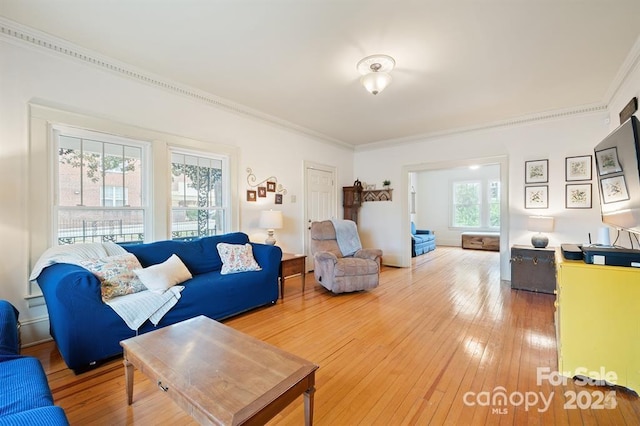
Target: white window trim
451,205
147,194
226,178
42,118
484,205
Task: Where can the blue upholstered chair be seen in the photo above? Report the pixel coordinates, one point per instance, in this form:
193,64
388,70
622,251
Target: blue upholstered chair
422,240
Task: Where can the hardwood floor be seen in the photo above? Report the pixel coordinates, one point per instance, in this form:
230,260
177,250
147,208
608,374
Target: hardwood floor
437,343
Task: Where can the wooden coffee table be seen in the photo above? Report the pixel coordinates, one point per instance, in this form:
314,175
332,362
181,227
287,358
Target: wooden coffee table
220,376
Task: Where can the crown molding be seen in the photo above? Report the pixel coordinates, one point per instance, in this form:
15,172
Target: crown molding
631,62
30,37
33,38
516,121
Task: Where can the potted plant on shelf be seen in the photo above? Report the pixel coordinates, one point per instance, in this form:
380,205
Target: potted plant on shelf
386,183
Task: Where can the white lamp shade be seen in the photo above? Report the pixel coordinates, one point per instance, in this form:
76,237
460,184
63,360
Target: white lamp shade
375,82
540,224
271,219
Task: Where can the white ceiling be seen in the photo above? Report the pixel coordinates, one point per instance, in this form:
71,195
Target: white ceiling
460,63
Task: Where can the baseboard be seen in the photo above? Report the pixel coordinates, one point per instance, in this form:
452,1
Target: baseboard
34,331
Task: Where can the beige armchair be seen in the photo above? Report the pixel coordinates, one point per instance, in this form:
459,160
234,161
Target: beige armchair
340,263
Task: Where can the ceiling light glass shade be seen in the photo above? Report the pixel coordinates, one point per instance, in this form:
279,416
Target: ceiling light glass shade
375,82
375,71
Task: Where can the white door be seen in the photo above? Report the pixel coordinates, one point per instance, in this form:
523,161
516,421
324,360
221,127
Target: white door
320,196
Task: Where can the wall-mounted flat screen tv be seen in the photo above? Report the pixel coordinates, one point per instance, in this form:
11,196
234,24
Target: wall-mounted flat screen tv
618,173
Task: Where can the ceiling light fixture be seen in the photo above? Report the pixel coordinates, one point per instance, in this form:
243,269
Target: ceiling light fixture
375,72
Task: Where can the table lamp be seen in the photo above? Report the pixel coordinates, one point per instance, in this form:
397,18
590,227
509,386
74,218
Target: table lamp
270,220
540,224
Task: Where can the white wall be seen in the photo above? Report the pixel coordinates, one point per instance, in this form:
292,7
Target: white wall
34,74
552,139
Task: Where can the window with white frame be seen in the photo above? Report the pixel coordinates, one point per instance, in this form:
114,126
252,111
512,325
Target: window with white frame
467,199
475,204
100,187
198,204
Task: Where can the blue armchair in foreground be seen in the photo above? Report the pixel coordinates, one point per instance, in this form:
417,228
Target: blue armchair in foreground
422,240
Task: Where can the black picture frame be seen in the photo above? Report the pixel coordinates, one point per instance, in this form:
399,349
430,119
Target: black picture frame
278,198
607,161
614,189
536,197
536,171
578,168
578,196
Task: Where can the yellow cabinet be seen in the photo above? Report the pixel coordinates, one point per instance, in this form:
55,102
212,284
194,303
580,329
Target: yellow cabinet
598,321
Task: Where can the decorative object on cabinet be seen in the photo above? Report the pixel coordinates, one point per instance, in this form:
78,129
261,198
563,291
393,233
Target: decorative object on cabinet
251,195
540,224
536,197
351,201
386,183
533,269
578,168
614,189
578,196
270,220
536,171
596,321
607,161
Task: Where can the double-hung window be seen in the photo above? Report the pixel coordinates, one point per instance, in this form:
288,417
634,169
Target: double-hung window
198,199
475,204
101,185
467,200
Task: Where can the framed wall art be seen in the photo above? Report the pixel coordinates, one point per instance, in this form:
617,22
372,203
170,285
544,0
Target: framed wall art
271,187
536,197
278,198
607,161
578,168
251,195
262,191
614,189
578,196
536,171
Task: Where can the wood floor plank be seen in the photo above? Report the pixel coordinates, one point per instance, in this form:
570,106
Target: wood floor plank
422,348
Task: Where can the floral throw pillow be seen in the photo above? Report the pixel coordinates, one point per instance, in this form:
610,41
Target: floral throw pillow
237,258
116,274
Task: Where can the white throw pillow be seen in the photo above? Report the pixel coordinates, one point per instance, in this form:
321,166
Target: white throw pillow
158,278
237,258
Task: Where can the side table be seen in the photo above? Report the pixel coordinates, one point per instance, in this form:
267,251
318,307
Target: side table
291,264
533,269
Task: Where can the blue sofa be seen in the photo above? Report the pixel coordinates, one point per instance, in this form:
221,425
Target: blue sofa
422,241
25,397
87,331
